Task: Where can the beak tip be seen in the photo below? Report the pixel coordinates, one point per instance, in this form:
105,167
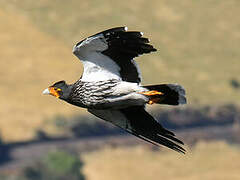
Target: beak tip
46,91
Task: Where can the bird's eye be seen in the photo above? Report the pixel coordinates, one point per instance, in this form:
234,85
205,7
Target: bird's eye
58,89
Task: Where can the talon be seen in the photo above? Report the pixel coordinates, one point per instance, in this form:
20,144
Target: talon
152,94
150,102
154,100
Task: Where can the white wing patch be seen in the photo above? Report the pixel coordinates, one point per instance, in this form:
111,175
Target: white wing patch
110,55
97,67
138,70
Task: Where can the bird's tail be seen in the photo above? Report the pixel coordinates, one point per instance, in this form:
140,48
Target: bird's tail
171,94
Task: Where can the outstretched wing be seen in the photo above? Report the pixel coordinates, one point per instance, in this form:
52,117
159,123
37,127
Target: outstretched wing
138,122
109,54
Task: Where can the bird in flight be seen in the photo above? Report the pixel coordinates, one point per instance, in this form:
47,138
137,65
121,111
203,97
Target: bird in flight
110,86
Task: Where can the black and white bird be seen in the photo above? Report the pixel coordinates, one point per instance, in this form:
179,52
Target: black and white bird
110,85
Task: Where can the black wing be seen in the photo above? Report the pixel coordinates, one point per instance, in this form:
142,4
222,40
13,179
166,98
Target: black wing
138,122
121,46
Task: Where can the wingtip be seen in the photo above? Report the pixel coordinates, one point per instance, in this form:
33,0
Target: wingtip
183,151
182,100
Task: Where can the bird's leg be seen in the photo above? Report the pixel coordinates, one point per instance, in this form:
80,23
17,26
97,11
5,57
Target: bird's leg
152,94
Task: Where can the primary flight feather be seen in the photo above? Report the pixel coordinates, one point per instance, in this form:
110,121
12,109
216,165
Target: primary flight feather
110,85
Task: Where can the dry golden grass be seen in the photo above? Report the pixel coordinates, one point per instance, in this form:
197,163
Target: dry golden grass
198,44
207,161
198,41
30,61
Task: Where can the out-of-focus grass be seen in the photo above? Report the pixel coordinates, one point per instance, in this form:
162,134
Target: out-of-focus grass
30,61
56,165
198,41
198,44
206,161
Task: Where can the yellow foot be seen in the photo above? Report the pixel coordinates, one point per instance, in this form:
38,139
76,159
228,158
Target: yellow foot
151,93
154,100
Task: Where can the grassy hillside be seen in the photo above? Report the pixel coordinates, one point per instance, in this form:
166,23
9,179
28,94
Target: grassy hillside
198,44
207,161
198,41
30,61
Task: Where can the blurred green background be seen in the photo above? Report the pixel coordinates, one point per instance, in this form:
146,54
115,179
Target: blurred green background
198,47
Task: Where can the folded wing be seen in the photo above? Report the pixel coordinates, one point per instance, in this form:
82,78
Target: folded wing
109,54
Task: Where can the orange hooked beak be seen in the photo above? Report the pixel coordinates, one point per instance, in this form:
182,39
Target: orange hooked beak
52,91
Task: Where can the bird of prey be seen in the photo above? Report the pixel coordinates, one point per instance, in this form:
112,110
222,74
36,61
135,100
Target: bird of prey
110,85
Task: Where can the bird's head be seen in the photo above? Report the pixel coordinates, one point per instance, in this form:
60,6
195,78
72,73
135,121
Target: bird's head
59,89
